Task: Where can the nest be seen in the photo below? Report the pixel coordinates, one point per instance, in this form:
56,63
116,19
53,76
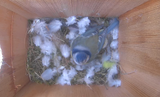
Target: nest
34,58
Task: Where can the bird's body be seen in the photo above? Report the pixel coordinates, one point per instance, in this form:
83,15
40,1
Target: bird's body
86,46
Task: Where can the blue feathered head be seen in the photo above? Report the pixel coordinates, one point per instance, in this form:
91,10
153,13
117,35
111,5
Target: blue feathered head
81,57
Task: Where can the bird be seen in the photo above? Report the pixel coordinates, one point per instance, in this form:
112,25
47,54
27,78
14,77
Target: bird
86,46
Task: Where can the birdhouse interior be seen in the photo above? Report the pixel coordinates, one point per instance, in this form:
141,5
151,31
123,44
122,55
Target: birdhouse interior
46,44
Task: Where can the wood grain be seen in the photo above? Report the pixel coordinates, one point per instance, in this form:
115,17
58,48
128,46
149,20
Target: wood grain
12,7
65,8
7,87
139,50
19,38
13,43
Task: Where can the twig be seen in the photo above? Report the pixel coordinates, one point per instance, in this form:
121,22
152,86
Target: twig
124,72
89,86
58,38
38,75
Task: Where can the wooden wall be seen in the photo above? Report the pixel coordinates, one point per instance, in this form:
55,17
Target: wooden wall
65,8
13,30
139,48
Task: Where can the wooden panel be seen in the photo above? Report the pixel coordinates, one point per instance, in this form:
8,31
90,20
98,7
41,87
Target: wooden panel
12,7
65,8
13,43
7,88
139,49
19,34
39,90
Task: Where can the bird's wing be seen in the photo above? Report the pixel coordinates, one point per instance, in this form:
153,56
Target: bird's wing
103,34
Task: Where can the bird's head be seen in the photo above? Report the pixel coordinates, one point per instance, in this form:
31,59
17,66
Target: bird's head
81,58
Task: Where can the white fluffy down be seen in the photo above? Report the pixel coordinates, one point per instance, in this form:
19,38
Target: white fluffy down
72,34
114,33
89,75
48,74
82,24
80,67
66,76
38,27
113,82
65,50
37,40
114,44
54,25
105,57
71,20
46,61
115,56
48,47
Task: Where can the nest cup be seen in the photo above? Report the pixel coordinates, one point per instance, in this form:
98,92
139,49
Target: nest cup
138,46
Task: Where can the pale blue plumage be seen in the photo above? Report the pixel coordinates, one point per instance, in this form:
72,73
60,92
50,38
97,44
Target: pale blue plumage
86,47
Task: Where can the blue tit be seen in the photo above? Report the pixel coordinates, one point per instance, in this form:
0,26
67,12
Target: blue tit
86,46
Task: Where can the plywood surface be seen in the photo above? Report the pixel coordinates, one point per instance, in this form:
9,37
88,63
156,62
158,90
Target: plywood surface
19,38
65,8
139,50
6,80
12,41
12,7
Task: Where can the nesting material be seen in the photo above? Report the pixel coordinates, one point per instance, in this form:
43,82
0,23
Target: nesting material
54,26
48,48
112,72
67,75
71,20
48,74
82,24
65,50
114,44
49,58
73,33
46,61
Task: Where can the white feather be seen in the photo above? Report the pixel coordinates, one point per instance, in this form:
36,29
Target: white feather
72,34
37,40
115,56
82,30
71,20
46,61
35,21
66,76
48,48
114,44
65,50
80,67
105,57
82,24
97,67
89,75
48,74
114,33
38,27
54,25
72,72
113,82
